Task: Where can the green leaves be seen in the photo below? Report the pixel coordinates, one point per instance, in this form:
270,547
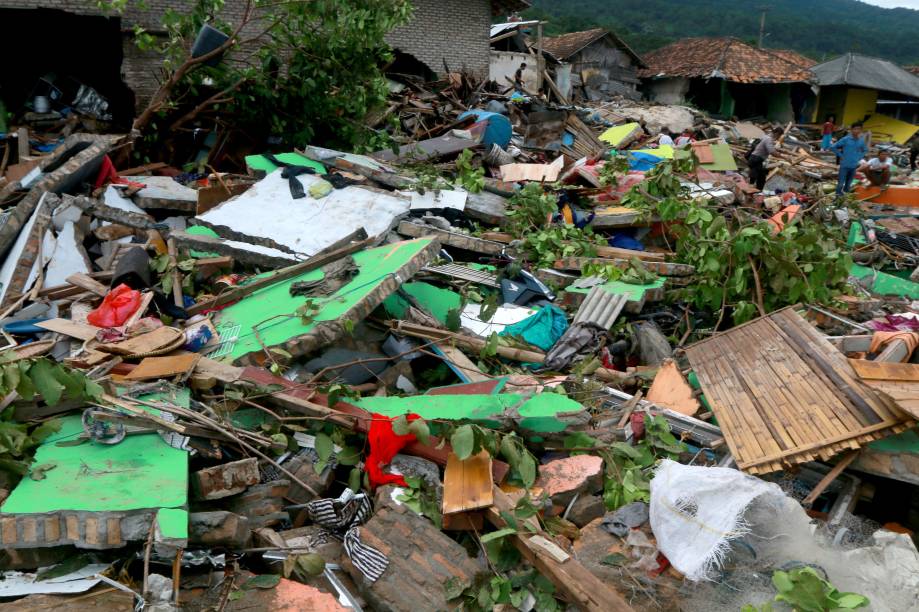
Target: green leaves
804,590
463,441
51,380
529,208
470,178
494,535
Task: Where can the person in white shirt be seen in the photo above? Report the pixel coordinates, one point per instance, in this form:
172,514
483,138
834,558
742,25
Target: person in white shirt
877,169
665,138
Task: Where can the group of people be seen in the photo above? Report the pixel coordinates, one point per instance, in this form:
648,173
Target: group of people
851,154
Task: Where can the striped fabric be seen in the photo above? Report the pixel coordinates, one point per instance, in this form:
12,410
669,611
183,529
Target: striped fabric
342,517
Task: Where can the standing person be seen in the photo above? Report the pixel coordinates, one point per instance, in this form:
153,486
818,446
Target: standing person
913,152
665,138
828,128
850,150
518,77
877,169
759,155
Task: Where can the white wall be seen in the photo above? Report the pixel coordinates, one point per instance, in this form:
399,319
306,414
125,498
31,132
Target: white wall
505,63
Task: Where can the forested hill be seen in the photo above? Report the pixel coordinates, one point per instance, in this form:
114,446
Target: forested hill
820,29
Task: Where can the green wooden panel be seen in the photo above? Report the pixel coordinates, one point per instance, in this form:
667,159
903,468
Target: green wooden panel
261,163
273,309
539,413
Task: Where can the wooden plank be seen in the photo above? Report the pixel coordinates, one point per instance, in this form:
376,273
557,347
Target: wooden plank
69,328
164,367
85,281
317,261
454,239
829,478
582,588
815,445
159,338
657,267
467,483
459,360
885,370
671,390
704,152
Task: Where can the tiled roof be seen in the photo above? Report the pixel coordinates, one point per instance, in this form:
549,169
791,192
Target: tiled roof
564,46
794,57
724,58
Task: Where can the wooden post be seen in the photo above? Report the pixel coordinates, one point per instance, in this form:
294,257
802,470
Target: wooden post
540,62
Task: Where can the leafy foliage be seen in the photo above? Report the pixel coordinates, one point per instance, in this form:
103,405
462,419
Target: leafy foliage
529,208
624,479
468,440
805,262
612,169
308,71
543,247
806,591
472,179
422,499
490,592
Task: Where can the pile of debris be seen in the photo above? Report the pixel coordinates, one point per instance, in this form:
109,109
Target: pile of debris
531,358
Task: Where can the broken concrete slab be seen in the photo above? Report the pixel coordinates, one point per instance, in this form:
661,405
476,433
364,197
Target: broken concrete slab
164,192
225,479
562,479
247,329
421,559
268,211
218,528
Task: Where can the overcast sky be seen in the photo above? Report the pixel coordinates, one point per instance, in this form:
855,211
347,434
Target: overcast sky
913,4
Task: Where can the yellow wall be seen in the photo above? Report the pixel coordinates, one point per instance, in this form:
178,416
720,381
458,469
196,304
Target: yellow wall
884,128
859,104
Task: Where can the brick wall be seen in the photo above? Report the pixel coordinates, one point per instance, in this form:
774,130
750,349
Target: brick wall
455,30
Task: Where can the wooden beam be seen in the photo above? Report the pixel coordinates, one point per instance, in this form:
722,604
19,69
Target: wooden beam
573,580
317,261
832,475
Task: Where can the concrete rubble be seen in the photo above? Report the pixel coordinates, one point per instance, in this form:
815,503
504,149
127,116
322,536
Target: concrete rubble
502,364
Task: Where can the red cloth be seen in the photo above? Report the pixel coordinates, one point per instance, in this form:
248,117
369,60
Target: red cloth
828,128
108,174
116,307
384,445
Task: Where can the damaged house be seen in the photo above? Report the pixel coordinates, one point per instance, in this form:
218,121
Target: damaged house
728,77
860,88
597,64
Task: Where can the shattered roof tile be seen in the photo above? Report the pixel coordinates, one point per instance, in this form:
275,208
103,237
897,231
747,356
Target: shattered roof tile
727,58
564,46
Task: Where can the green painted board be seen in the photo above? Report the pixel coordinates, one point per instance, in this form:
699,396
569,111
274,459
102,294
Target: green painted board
172,523
202,230
137,473
886,284
539,412
273,309
260,163
436,300
722,154
635,293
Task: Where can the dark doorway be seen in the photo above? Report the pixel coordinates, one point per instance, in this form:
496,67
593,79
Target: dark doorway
50,50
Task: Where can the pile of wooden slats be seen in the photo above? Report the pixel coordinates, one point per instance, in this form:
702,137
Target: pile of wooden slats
783,395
